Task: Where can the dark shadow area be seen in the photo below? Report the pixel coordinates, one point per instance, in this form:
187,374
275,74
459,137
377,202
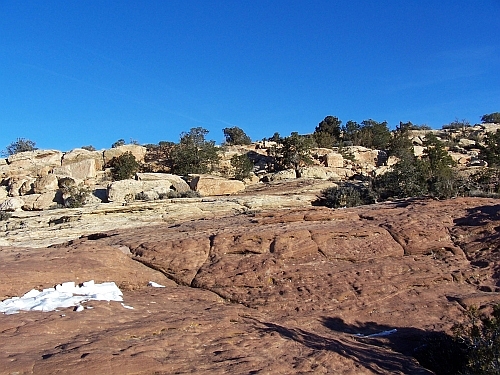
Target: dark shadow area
436,351
389,349
478,216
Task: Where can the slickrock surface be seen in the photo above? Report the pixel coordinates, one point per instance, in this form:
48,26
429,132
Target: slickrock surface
281,291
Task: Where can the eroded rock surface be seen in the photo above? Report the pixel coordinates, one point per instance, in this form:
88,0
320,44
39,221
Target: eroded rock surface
276,291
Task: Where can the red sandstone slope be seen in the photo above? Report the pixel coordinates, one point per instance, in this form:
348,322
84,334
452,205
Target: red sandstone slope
273,293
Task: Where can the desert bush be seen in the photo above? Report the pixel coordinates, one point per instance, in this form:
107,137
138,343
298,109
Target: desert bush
491,118
491,151
88,148
457,124
75,196
118,143
20,145
124,166
480,336
292,151
176,194
433,174
142,196
346,195
485,183
5,215
242,165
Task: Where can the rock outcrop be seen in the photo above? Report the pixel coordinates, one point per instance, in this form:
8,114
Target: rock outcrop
273,291
208,185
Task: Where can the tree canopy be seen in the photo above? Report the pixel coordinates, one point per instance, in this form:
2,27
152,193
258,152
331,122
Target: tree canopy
236,136
20,145
194,154
328,132
491,118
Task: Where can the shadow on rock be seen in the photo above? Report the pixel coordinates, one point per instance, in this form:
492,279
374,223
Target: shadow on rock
381,355
435,351
478,216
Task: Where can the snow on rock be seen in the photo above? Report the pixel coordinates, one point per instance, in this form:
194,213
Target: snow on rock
63,295
155,285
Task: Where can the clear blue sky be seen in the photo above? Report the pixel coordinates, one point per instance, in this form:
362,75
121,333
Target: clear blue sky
76,73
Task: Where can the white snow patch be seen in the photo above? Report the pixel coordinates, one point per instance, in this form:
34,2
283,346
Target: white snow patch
63,295
155,285
378,334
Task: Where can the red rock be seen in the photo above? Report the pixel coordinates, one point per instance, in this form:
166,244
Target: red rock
277,292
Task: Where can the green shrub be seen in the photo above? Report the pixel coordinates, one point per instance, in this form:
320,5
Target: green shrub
242,165
480,336
194,154
491,118
346,195
185,194
75,196
118,143
20,145
88,148
124,166
236,136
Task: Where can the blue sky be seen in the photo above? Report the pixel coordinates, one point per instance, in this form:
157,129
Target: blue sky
75,73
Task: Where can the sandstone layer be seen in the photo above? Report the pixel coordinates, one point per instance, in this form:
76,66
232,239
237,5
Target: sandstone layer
295,290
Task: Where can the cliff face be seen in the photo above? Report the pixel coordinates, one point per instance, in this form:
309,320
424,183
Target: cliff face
281,290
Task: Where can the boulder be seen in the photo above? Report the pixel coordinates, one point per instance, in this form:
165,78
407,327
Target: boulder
367,156
287,174
313,172
126,190
20,185
38,202
37,162
342,173
138,151
334,160
418,150
81,170
79,154
467,143
12,204
176,182
3,192
208,185
45,184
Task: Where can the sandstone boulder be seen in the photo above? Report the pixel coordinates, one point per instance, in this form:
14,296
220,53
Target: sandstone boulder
46,184
127,190
38,162
287,174
418,150
38,202
12,204
176,182
78,155
367,156
81,170
313,172
208,185
3,192
334,160
21,185
138,151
